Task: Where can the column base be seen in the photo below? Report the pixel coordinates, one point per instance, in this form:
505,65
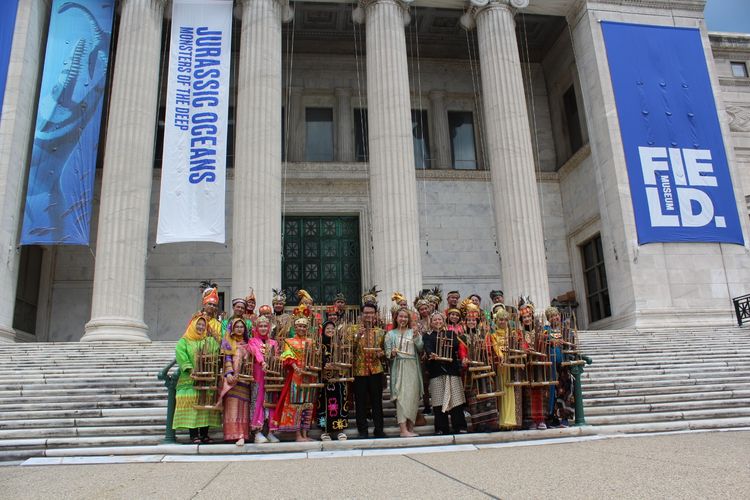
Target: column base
115,330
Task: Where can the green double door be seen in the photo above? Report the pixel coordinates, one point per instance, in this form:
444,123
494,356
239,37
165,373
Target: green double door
322,256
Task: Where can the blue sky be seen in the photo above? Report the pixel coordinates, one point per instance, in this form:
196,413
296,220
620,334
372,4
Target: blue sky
728,15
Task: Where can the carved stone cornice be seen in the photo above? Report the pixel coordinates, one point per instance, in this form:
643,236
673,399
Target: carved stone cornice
580,6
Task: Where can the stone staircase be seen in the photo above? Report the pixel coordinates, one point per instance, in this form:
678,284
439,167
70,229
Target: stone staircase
667,380
67,399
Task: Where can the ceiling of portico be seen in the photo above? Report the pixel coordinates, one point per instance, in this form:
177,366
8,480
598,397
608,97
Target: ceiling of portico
327,28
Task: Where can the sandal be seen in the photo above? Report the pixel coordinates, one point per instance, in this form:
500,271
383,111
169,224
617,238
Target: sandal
206,440
341,436
325,437
196,440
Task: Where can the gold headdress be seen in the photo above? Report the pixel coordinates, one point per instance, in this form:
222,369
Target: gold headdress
302,295
278,296
370,298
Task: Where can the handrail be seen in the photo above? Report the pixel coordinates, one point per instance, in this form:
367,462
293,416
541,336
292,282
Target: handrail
577,372
170,382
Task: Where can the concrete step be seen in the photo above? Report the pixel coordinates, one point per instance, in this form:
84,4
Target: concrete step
675,426
638,418
42,413
666,390
93,403
59,432
667,382
592,411
666,398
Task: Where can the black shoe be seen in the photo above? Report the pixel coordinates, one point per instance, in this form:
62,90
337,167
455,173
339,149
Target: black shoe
364,435
427,411
379,434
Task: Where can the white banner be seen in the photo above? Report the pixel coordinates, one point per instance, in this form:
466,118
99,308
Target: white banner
193,173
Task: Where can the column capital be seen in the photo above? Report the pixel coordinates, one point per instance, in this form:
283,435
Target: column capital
476,7
359,15
287,11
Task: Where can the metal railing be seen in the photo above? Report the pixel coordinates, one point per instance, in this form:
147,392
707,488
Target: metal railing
577,372
741,308
170,382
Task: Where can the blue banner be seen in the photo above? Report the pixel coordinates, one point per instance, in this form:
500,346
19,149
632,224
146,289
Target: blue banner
674,150
8,10
66,137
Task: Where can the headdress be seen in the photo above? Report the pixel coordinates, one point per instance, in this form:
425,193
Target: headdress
239,301
496,293
250,296
340,296
397,297
496,307
278,296
302,320
370,298
477,296
420,300
551,311
265,309
211,296
303,295
331,310
525,303
230,339
471,310
301,311
499,313
259,321
453,310
435,296
191,333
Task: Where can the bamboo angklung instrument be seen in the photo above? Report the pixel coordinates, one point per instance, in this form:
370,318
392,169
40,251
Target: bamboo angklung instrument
206,377
516,356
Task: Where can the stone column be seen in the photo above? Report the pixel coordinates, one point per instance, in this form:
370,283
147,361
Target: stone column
344,126
441,141
510,153
393,191
16,130
295,127
122,237
256,231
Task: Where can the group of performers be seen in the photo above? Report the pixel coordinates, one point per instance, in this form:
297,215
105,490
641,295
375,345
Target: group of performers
259,373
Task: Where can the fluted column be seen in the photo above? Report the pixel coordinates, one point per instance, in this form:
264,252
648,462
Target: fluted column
344,125
393,190
256,231
16,129
122,236
295,122
510,154
441,141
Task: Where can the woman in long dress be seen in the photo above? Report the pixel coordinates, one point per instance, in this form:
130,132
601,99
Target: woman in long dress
262,346
235,393
497,342
294,411
333,407
402,345
186,416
